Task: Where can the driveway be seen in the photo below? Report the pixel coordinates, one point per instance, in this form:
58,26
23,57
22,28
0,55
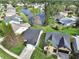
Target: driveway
27,52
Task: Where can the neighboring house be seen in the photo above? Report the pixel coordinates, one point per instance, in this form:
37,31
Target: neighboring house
60,15
32,39
11,15
62,18
32,36
28,13
19,28
39,19
76,44
39,6
13,19
10,10
60,43
34,20
67,21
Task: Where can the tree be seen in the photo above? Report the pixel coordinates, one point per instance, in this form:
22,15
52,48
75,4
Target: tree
10,38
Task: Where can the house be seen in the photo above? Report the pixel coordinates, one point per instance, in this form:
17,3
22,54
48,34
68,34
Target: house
11,15
34,20
31,39
10,11
60,15
66,18
19,28
67,21
13,19
28,13
76,44
58,43
39,19
32,36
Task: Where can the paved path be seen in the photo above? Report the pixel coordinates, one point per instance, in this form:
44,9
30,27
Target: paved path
27,52
1,39
8,52
1,58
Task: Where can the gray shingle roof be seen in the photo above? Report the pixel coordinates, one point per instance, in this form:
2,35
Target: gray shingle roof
31,35
56,37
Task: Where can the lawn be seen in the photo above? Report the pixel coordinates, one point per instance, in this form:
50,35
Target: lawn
17,49
38,54
67,30
5,55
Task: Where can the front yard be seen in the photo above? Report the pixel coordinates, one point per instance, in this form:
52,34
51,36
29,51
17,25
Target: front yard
5,55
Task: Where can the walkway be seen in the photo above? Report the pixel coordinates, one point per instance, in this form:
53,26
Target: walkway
1,39
1,58
27,52
8,52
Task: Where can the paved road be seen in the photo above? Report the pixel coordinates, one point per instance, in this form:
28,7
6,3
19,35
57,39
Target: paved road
27,52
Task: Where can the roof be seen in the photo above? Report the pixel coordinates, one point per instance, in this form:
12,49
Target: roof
31,35
67,21
27,12
58,39
42,17
15,18
19,28
76,43
10,10
39,19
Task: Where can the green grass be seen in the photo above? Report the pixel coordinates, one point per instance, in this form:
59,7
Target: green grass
38,54
17,49
35,11
71,31
68,30
24,17
5,55
44,28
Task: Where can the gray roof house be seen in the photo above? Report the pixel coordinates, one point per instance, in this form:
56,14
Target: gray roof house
13,19
58,38
67,21
60,43
76,44
11,15
32,36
